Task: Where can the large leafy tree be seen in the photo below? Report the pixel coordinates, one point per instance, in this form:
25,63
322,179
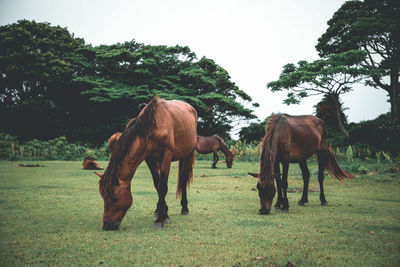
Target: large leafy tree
34,70
52,84
331,76
371,26
131,73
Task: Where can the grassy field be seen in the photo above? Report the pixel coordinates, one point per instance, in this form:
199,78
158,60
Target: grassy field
52,216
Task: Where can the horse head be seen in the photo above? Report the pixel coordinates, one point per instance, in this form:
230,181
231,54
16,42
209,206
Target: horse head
115,206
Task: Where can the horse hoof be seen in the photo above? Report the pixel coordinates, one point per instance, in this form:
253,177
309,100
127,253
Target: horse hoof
186,212
324,203
285,211
300,203
158,225
166,221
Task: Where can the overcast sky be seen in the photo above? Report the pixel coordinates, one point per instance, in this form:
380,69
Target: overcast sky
251,39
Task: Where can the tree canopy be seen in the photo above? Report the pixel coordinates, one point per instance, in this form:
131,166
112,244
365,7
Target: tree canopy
55,84
373,27
330,76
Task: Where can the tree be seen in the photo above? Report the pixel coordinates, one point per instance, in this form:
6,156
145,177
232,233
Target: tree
132,73
330,76
52,84
254,132
326,110
373,27
34,68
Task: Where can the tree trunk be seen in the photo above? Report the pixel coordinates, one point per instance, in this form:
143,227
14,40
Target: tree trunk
338,117
394,94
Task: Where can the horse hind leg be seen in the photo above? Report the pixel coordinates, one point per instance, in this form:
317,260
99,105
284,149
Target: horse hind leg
306,179
185,176
322,156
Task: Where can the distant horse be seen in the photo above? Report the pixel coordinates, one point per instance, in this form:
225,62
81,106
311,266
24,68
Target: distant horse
213,144
113,141
164,131
90,164
293,139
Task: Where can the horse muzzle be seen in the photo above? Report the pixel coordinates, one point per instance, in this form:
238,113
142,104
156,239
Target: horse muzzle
264,211
110,225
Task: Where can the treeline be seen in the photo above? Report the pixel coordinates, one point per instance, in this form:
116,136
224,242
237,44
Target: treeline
53,84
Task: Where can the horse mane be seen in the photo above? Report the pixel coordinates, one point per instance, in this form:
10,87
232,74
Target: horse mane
224,148
141,126
267,155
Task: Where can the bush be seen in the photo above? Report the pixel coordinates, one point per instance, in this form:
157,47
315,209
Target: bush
380,134
54,149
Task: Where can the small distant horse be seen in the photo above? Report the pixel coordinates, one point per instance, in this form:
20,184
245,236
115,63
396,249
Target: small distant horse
213,144
164,131
90,164
113,141
293,139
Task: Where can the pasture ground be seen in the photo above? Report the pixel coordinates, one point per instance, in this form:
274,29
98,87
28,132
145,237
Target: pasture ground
52,216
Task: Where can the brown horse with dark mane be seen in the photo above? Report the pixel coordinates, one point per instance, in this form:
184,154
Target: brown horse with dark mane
293,139
164,131
90,164
213,144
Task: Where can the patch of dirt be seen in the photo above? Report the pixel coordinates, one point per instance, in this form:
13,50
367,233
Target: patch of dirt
28,165
298,189
392,170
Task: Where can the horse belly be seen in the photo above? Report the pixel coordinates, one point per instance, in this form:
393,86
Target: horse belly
299,152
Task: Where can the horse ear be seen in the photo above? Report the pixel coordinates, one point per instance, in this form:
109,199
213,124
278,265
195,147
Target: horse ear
256,175
99,174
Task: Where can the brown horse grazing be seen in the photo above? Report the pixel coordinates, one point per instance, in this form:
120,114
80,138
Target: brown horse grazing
164,131
90,164
213,144
293,139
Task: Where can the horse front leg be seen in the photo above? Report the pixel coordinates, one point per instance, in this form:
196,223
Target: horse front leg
154,168
162,208
215,159
285,170
279,186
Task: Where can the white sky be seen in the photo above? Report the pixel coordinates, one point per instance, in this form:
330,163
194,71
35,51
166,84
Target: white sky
251,39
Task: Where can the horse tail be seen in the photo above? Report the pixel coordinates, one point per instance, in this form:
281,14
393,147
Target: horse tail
267,158
334,169
185,174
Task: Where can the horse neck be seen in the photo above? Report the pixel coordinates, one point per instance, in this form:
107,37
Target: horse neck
268,153
137,154
224,148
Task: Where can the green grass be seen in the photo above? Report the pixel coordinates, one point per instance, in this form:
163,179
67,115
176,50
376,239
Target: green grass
52,216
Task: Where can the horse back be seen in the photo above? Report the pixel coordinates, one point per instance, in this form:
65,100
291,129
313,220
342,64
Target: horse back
176,127
303,136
